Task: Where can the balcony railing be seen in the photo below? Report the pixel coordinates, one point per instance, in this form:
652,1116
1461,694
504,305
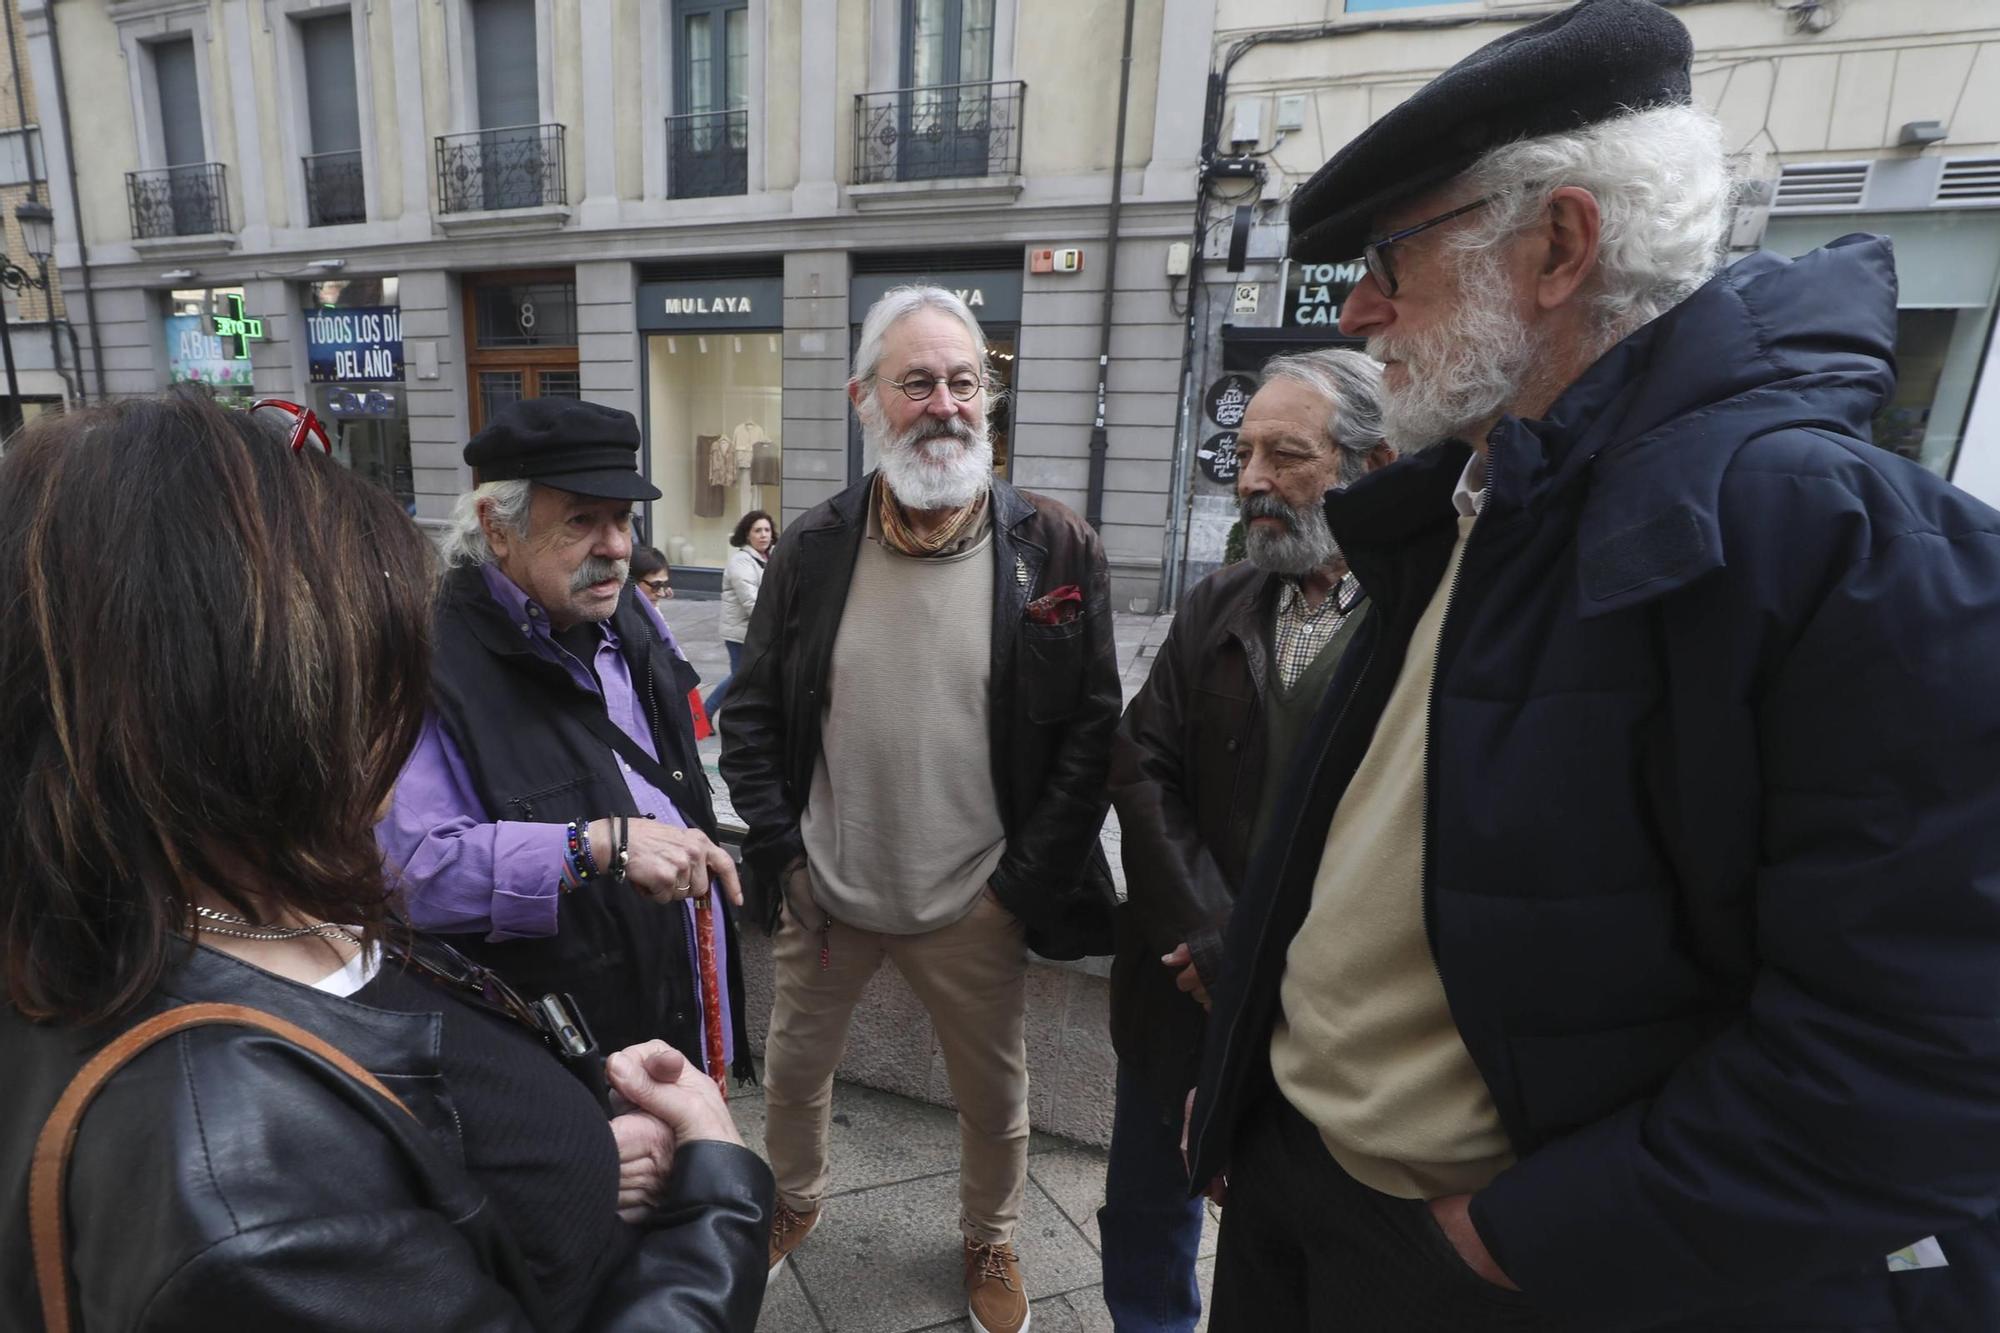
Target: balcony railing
335,192
708,153
937,133
178,201
517,167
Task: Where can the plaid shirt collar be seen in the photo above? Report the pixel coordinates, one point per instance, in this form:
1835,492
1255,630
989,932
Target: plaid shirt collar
1301,631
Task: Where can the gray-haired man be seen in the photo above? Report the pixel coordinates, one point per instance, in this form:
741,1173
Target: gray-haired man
1245,665
917,739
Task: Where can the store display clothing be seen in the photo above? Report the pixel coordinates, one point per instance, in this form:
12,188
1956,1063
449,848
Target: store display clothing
711,497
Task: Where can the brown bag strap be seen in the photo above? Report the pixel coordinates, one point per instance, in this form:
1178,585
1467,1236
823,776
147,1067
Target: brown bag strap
58,1137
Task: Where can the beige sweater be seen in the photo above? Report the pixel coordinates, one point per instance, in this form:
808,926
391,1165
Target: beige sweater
1365,1046
903,823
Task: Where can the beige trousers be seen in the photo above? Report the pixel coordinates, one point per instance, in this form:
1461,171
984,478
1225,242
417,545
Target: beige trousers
972,977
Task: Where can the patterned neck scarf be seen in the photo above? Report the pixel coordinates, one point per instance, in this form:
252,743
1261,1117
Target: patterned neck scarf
896,529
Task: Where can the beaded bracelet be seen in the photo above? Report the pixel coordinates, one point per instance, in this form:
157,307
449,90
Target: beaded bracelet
577,855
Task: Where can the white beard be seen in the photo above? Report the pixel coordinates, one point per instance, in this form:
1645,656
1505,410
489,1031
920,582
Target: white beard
1461,371
927,469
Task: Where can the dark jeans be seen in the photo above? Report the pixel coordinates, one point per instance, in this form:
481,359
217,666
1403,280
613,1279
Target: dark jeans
1304,1246
714,699
1148,1227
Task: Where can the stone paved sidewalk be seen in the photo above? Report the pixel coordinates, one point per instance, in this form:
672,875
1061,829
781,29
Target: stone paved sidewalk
885,1258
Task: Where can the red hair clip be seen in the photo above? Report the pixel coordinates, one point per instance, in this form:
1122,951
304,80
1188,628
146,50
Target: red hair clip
303,423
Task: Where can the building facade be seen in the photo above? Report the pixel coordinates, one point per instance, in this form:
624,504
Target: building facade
409,212
1844,116
37,357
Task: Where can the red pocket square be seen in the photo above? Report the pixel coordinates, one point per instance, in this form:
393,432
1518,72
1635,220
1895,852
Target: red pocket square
1056,608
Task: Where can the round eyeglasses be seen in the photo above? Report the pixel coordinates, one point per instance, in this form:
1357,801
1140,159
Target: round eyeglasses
919,386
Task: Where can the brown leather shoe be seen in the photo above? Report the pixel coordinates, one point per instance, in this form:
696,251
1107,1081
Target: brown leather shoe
995,1296
788,1228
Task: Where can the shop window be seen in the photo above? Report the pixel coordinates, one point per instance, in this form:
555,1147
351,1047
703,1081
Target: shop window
195,353
354,354
713,418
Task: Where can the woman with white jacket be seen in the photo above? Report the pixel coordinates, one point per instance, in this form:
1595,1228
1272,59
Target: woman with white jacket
742,573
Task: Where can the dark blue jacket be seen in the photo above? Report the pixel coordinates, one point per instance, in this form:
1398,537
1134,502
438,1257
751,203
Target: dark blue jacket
1712,825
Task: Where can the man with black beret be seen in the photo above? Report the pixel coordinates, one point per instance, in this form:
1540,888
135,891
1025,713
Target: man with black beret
554,817
1626,954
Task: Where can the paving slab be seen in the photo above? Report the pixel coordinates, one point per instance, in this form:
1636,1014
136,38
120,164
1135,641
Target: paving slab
786,1308
1073,1177
888,1260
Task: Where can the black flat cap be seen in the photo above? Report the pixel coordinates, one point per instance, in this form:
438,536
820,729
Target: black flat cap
1590,63
583,448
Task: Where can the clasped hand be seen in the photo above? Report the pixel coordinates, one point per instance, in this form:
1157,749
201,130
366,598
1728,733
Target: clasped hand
672,1103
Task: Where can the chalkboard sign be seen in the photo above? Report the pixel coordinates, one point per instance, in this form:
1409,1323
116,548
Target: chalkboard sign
1218,458
1227,399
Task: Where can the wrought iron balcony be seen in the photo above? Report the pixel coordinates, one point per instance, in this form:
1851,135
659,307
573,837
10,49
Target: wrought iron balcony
517,167
708,153
334,189
177,201
938,133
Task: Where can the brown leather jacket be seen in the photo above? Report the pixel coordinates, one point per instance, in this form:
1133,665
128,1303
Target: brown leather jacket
1054,696
1187,772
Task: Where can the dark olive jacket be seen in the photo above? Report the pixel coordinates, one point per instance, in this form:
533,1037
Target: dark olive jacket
1187,772
1054,699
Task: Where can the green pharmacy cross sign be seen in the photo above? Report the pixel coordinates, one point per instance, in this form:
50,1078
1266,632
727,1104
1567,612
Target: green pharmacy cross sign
234,325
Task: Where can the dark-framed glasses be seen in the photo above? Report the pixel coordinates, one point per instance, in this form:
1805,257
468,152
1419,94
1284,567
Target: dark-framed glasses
658,587
304,423
1376,253
918,386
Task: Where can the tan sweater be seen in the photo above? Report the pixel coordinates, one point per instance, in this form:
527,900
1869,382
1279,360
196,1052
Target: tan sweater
903,823
1365,1046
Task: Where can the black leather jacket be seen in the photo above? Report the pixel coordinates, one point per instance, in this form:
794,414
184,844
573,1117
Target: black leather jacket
226,1179
1054,697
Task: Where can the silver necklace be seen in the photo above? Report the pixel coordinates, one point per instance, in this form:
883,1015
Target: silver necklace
325,930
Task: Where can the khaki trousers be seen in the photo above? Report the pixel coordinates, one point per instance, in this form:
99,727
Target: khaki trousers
972,978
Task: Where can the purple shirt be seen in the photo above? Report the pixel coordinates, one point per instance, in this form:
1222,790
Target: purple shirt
464,873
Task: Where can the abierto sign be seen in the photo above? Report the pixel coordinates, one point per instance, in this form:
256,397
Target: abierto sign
355,345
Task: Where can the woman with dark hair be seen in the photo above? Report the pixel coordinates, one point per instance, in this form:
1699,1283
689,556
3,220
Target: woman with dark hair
742,573
193,764
649,571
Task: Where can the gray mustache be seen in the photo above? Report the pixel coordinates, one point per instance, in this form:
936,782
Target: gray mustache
930,428
1270,506
596,569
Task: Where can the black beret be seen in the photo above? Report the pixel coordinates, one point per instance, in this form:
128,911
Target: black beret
1590,63
584,448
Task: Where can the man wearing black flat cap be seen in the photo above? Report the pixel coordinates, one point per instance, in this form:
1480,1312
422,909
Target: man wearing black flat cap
554,816
1626,954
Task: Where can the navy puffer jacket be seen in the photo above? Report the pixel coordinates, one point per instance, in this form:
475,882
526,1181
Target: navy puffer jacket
1712,825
